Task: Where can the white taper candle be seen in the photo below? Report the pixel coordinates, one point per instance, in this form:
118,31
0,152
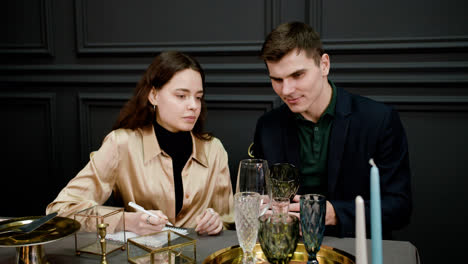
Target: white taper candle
361,244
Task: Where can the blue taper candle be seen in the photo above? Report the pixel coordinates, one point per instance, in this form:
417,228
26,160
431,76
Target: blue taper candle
376,218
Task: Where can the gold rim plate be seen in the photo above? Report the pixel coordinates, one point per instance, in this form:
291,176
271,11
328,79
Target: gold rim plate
326,255
55,229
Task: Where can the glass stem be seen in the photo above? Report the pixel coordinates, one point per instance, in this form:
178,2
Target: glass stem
312,259
249,258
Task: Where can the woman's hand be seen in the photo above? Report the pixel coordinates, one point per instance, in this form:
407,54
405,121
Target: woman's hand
142,224
209,222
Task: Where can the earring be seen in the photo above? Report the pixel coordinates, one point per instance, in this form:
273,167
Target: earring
154,108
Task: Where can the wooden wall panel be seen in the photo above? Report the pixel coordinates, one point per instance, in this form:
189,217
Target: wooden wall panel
26,27
396,25
438,152
109,26
29,152
98,113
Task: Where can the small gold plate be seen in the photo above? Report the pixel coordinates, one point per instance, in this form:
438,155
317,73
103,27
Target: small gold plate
326,255
55,229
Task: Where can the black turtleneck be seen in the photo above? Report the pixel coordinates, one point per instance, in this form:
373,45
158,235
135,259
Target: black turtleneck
179,147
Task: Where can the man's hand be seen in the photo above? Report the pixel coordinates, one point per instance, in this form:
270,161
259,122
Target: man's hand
295,207
330,217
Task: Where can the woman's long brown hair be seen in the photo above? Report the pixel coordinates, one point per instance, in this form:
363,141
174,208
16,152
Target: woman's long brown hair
139,112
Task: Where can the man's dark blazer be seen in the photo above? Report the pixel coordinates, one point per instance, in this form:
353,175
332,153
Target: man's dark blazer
362,129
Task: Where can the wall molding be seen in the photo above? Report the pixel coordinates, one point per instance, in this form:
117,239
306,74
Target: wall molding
251,102
48,101
410,73
84,46
46,44
314,15
395,45
272,16
85,102
425,103
246,74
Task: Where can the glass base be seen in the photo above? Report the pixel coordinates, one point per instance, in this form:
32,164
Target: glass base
312,259
249,258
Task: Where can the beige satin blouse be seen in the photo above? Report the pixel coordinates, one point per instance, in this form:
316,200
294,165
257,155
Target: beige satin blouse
131,163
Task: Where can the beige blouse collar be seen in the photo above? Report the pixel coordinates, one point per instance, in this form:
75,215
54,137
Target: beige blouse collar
151,147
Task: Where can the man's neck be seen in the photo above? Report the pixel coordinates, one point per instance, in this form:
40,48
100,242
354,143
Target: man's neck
316,110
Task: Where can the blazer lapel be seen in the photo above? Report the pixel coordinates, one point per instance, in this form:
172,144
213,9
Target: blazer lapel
291,143
338,137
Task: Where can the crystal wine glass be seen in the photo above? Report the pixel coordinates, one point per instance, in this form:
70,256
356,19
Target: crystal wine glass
313,211
246,212
253,176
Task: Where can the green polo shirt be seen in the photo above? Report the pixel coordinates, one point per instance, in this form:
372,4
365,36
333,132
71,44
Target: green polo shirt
313,140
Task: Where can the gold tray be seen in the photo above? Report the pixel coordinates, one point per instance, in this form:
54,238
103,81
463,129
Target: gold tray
55,229
326,255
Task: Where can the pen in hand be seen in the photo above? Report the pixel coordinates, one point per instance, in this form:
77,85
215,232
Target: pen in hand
143,210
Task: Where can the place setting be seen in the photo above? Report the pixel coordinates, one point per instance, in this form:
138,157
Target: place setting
266,232
29,234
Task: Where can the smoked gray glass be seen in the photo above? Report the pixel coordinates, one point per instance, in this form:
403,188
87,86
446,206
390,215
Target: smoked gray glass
313,211
278,237
253,176
284,180
246,212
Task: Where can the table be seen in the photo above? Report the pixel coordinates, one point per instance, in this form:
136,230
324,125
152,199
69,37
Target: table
63,251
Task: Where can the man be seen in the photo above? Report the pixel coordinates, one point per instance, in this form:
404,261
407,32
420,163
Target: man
331,135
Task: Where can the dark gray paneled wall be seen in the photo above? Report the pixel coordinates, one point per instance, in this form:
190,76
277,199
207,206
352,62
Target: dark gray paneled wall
67,67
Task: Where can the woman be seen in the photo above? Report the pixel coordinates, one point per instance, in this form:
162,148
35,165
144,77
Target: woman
159,157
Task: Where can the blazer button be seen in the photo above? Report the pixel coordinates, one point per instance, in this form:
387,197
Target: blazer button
187,195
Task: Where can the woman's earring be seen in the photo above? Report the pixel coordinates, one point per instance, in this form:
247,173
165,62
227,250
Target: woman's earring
154,108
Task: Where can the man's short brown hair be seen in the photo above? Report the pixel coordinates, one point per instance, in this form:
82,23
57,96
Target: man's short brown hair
289,36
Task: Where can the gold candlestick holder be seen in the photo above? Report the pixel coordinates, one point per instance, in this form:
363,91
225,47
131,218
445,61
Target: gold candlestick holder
102,233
